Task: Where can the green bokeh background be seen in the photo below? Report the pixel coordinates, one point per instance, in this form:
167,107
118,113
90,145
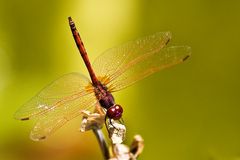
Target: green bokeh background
189,112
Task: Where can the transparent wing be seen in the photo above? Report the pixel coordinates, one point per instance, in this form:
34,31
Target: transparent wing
122,66
59,95
51,121
167,57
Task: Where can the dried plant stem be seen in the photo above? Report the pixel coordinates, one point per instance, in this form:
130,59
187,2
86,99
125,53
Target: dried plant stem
102,142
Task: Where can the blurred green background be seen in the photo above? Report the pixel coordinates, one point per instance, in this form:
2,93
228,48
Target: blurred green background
189,112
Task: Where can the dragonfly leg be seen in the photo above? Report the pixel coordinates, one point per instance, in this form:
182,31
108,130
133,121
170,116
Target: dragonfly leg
111,123
106,123
121,121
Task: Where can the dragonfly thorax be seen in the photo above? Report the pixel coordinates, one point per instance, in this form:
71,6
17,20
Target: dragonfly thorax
104,97
107,101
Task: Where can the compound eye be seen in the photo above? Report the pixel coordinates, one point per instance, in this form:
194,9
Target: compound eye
115,112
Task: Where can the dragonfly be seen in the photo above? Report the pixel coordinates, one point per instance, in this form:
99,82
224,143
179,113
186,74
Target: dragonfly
114,70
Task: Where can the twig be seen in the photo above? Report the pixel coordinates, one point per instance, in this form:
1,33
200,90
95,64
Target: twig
102,142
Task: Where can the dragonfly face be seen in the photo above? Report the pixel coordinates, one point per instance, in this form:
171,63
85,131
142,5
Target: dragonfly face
114,70
115,112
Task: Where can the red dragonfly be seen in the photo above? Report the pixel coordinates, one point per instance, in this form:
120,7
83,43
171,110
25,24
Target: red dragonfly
116,69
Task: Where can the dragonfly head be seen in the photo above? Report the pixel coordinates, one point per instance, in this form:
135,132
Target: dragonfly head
115,112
